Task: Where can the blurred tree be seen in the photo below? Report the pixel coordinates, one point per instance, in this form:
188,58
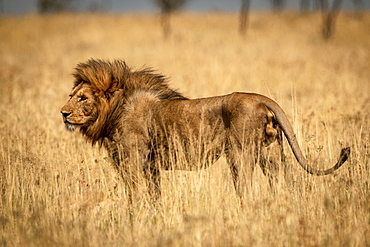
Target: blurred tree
329,17
330,13
304,5
359,4
100,5
278,5
243,18
359,7
316,5
167,8
52,6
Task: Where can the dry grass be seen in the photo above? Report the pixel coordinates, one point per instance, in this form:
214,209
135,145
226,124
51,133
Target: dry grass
57,190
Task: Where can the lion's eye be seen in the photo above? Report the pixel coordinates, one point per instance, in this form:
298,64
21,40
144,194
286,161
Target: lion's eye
82,98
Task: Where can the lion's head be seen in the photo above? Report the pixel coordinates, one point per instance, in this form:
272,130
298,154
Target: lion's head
81,108
100,91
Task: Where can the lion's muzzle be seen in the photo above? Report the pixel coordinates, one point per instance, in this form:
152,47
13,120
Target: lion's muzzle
69,125
65,114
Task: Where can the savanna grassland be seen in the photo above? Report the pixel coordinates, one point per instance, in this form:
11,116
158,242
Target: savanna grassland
58,190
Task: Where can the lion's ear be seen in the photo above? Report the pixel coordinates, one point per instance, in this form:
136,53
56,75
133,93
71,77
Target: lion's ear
113,87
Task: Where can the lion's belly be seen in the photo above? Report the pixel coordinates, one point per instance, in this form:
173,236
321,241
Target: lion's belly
196,150
188,158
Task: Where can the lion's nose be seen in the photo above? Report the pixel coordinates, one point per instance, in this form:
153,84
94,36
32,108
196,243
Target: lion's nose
65,114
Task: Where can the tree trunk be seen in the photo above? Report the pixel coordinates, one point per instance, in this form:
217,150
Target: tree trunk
329,17
243,19
165,23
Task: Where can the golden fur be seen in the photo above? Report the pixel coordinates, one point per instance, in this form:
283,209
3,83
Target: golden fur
147,126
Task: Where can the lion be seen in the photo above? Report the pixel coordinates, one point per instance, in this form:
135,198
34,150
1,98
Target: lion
147,127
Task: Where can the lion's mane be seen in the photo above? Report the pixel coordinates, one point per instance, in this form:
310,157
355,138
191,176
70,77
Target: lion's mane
112,83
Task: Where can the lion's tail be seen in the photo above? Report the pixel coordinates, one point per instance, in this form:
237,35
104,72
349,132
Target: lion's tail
292,140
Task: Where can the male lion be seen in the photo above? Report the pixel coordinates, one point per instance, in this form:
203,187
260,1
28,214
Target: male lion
147,126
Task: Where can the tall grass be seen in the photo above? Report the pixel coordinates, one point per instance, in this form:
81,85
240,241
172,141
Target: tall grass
57,190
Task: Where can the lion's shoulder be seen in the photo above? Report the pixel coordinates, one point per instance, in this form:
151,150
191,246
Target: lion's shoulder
142,99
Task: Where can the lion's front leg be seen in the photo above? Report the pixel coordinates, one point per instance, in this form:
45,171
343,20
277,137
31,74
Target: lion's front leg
131,180
153,179
132,161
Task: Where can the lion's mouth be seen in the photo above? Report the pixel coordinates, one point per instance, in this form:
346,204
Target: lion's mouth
70,126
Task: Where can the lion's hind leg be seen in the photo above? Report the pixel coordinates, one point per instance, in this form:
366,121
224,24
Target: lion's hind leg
271,155
242,168
270,161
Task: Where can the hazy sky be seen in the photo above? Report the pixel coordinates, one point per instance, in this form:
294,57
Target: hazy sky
29,6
